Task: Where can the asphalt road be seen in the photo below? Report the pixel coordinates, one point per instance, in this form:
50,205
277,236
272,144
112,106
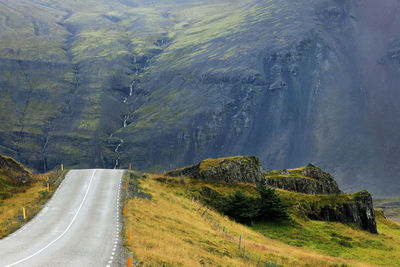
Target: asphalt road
79,226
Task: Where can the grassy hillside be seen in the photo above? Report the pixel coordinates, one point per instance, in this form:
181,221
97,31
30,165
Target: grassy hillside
390,207
169,229
21,189
14,177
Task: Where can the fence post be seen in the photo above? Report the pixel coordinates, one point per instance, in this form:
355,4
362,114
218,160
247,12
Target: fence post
250,258
244,251
276,263
240,241
270,263
200,207
223,229
258,262
204,212
227,232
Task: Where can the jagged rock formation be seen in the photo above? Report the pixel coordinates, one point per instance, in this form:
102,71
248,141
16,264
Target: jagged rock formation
307,180
319,197
357,208
242,169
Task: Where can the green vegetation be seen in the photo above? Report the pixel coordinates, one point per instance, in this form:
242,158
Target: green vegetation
333,239
168,230
66,64
208,163
247,210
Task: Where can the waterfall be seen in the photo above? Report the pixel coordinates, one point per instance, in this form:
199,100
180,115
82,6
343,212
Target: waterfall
131,88
117,151
125,120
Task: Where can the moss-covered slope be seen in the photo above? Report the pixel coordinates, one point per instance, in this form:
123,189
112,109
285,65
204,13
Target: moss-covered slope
316,194
163,84
14,177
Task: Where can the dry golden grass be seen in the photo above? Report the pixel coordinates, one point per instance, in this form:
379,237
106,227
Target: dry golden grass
32,199
169,230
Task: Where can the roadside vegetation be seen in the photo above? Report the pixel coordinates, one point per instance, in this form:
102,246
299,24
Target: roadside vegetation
168,230
20,189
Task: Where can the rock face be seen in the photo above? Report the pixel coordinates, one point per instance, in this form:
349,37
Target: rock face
327,203
307,180
245,169
359,210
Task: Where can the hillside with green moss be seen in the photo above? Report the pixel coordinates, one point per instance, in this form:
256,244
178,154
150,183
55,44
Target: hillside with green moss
314,224
163,84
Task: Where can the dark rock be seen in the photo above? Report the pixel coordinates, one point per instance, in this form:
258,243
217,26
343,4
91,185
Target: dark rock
308,180
358,210
246,169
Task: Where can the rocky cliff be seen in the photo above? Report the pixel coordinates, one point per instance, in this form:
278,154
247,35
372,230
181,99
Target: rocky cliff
241,169
347,208
307,180
313,192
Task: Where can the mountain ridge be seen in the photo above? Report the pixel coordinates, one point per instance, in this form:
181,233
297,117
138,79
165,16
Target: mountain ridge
163,85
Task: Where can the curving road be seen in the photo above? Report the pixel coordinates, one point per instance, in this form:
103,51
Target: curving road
79,226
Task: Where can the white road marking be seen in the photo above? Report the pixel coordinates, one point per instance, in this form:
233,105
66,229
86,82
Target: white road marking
63,233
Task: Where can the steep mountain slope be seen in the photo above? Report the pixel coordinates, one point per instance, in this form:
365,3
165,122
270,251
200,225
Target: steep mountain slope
164,84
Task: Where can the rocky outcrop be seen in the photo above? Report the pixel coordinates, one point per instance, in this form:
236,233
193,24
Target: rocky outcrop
359,209
307,180
242,169
14,170
324,200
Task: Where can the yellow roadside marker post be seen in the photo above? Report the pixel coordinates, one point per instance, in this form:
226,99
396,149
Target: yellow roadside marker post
24,213
126,187
62,167
124,212
48,187
130,166
129,235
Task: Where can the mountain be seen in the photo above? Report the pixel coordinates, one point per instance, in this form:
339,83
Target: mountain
163,84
